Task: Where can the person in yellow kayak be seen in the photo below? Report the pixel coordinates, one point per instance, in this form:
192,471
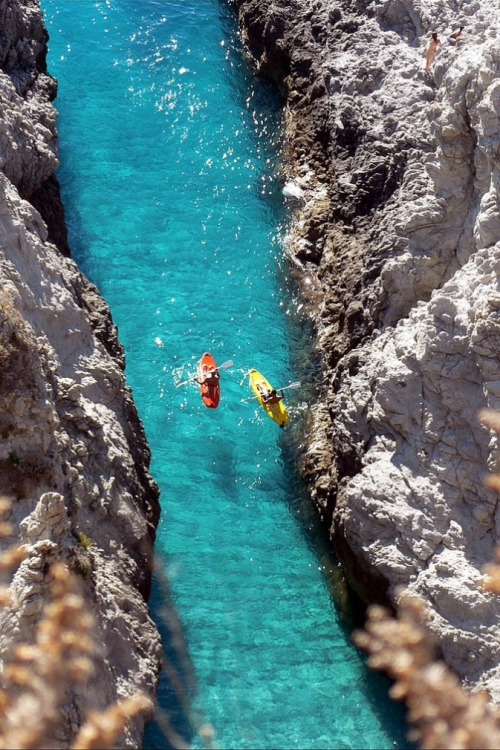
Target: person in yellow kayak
271,396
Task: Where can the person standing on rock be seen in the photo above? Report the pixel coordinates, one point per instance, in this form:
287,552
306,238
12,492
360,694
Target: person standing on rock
432,50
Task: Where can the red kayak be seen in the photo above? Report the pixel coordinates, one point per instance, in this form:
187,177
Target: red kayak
209,381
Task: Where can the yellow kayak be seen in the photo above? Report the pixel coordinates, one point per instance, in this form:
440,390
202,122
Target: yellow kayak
260,386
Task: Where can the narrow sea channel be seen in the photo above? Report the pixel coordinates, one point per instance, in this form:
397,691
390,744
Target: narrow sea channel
169,158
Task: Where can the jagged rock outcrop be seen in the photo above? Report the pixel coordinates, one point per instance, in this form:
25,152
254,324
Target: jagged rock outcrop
73,455
397,236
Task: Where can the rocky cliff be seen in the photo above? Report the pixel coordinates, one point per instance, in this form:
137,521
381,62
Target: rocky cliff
73,455
393,152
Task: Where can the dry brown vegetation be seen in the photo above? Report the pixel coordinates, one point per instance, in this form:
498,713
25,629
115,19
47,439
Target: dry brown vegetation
443,715
37,678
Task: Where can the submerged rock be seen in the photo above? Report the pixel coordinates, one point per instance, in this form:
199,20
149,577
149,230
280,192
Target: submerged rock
396,151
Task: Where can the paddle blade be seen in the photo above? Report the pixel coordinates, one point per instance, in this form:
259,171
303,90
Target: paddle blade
292,386
223,366
185,382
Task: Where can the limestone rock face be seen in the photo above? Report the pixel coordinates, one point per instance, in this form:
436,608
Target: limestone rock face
73,454
397,237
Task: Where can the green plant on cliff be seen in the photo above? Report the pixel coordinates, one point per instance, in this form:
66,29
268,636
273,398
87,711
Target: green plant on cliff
80,561
85,541
14,459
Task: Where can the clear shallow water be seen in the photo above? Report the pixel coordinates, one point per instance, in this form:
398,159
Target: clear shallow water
169,179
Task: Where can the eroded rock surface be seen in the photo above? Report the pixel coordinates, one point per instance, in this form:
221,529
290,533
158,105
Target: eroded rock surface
73,454
397,235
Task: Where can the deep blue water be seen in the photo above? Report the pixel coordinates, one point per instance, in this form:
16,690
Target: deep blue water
169,154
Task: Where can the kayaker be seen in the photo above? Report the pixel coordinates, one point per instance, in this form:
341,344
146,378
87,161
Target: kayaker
211,378
272,397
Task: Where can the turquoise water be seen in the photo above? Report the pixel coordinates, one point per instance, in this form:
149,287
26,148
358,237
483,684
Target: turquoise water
169,161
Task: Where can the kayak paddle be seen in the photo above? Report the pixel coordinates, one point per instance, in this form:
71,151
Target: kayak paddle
292,386
223,366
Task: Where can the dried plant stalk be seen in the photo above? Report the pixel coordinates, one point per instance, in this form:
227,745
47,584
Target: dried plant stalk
490,419
102,729
442,713
492,575
38,677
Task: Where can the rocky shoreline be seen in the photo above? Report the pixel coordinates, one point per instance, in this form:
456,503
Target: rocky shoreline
74,457
396,238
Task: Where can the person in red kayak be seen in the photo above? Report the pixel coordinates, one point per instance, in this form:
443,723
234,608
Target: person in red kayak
210,378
